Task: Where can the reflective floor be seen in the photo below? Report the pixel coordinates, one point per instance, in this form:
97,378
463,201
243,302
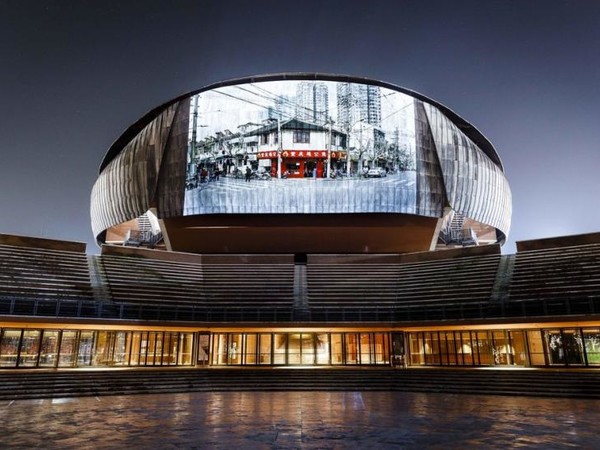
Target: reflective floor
313,420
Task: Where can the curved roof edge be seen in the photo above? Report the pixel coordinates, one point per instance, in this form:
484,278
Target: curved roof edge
467,128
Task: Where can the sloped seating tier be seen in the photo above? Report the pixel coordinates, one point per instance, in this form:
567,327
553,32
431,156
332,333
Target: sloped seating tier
67,283
138,280
452,281
559,273
43,274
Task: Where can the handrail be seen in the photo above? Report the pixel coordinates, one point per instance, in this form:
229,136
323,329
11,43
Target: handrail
393,313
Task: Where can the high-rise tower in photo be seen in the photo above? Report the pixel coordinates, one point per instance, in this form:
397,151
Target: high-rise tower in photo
358,102
283,108
371,104
312,102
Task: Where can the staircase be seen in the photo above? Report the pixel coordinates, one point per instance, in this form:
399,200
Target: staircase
78,383
301,310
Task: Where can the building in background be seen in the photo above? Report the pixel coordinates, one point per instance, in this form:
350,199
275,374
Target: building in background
312,102
358,102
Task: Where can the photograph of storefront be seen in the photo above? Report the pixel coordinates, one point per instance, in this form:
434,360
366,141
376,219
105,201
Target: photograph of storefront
307,150
293,129
350,122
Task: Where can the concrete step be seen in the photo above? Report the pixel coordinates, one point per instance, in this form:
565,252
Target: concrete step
52,384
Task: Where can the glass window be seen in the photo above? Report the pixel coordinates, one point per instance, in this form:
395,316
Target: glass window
352,348
517,340
398,350
443,343
591,339
484,348
68,346
301,136
151,351
308,349
30,347
336,349
573,345
293,167
136,344
554,344
9,347
536,348
264,354
219,349
465,348
186,346
365,349
86,344
451,347
382,351
121,350
322,342
503,350
203,349
432,348
250,349
102,349
234,348
279,350
294,341
158,348
166,353
49,349
417,351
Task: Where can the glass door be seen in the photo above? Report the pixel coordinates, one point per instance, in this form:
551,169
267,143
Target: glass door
398,349
203,349
68,346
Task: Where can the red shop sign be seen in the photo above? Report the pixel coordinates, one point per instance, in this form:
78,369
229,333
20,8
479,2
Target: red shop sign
304,154
300,154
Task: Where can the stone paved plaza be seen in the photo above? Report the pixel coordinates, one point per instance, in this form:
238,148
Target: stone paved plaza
298,420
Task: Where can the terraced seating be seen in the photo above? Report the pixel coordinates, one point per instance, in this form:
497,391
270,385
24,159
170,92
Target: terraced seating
260,284
140,280
158,282
29,274
57,279
418,286
563,280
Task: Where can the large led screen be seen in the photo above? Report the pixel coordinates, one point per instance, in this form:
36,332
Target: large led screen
295,146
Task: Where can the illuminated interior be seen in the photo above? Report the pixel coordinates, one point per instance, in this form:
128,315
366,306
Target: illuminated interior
72,347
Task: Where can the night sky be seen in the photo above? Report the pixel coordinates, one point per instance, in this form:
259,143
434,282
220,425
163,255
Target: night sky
75,74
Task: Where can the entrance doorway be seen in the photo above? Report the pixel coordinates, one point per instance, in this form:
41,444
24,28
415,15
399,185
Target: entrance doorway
203,349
